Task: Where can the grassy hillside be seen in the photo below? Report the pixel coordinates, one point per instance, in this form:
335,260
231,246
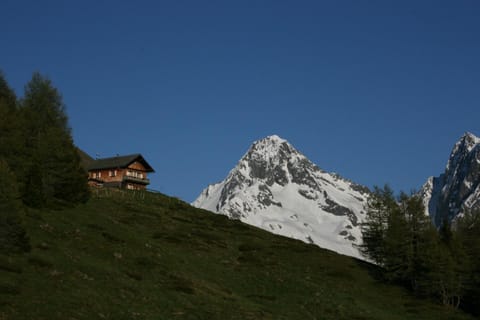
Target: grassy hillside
127,255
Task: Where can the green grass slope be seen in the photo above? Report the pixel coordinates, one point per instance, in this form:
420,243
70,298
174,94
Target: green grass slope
126,255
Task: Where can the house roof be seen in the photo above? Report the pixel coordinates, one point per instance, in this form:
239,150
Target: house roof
119,162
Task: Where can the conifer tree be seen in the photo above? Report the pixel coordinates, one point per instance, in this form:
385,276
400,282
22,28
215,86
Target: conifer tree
13,237
12,135
402,239
421,236
468,230
452,267
11,141
380,205
7,96
398,250
54,175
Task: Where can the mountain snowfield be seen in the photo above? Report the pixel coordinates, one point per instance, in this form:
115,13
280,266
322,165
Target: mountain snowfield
458,188
276,188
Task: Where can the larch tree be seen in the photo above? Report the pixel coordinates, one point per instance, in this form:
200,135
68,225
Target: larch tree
468,231
11,138
380,204
54,176
13,237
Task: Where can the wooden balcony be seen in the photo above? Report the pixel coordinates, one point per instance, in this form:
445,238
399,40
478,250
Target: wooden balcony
136,180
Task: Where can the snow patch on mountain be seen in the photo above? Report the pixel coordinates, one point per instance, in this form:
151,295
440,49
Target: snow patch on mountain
276,188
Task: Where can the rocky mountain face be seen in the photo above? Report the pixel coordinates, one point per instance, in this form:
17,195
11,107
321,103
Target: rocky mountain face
276,188
458,188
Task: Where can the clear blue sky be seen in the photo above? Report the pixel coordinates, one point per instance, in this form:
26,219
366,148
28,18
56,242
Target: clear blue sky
377,91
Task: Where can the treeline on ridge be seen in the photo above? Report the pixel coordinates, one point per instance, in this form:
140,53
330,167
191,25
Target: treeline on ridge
39,164
443,263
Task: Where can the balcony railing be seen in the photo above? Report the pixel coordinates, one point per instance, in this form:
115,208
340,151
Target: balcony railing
136,180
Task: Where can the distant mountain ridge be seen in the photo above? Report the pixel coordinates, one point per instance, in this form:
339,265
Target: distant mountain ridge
457,189
276,188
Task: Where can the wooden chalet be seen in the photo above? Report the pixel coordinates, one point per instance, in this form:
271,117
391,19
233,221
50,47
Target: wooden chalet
129,172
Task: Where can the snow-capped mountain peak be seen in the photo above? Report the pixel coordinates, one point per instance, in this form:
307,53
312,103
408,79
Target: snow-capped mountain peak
458,188
470,140
275,187
274,139
462,148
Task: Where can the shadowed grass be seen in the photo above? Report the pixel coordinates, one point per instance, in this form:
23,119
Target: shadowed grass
131,255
